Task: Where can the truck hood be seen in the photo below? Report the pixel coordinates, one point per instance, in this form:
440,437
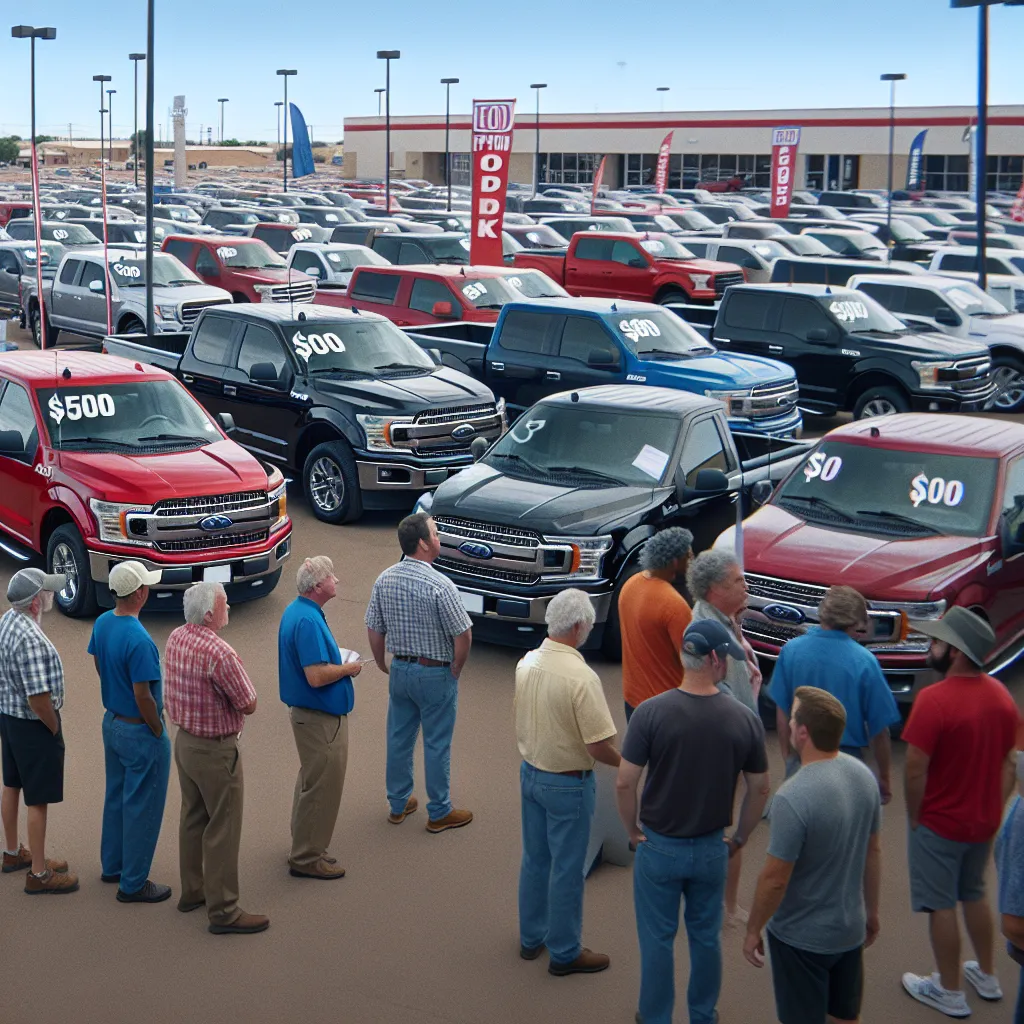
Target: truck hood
271,275
484,493
186,293
926,344
1010,327
776,543
219,468
440,387
697,266
721,370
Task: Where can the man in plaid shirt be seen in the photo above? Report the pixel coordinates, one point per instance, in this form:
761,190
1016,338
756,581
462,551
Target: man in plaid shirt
208,695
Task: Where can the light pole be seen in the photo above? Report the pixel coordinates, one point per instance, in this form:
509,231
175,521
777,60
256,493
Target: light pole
222,101
103,196
150,158
387,56
662,89
448,83
279,105
286,74
892,79
380,99
110,128
32,34
135,58
537,86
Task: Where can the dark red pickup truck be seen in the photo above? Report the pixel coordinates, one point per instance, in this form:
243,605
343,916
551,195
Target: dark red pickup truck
651,267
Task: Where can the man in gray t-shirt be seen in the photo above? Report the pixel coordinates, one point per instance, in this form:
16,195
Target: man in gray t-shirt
819,890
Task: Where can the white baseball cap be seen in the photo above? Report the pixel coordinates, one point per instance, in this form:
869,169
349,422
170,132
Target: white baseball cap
126,577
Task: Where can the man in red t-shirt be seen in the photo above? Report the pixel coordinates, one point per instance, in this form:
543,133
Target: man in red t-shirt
959,773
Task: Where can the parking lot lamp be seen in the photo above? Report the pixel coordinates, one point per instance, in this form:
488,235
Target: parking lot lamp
537,86
110,127
892,79
662,89
279,105
448,83
135,58
380,99
285,73
222,101
103,198
387,56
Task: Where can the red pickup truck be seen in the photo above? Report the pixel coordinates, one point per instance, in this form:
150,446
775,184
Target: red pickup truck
653,267
412,295
104,459
919,512
246,267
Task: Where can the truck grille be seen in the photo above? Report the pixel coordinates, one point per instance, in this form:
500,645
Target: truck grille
484,572
221,541
769,400
431,431
209,504
769,632
455,414
190,310
297,292
723,281
773,589
468,528
205,522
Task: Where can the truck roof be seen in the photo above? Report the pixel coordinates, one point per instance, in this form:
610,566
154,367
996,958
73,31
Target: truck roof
601,307
296,312
439,269
637,397
39,369
941,281
798,288
935,432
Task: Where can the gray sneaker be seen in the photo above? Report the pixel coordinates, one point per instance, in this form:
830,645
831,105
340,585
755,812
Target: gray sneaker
927,989
986,985
149,893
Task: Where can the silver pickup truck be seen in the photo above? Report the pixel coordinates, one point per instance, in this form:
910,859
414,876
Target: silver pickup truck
18,262
75,299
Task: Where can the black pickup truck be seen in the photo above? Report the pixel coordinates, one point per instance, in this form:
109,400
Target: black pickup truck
343,400
571,493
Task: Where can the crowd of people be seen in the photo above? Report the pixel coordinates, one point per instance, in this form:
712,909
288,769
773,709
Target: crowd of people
691,686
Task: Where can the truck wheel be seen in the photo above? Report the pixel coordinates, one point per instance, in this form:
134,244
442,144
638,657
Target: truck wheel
66,553
331,482
673,295
239,297
1008,374
132,325
51,332
880,402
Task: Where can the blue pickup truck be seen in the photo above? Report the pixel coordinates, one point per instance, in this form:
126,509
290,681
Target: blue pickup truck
539,348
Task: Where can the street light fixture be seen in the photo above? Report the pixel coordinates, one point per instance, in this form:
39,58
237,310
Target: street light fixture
32,34
892,79
380,99
286,74
103,197
537,86
663,89
110,127
387,56
135,58
222,101
279,105
448,83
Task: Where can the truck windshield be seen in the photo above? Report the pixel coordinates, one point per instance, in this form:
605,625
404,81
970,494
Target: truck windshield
67,234
666,249
803,245
856,311
252,255
692,220
970,299
137,417
603,447
52,252
370,348
658,334
535,285
489,293
348,259
892,491
168,272
447,250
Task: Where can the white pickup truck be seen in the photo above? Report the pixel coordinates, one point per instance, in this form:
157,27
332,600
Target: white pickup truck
332,263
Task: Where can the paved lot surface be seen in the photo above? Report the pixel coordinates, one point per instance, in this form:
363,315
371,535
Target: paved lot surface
422,928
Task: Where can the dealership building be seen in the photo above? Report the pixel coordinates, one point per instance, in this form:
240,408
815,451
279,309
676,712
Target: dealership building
839,148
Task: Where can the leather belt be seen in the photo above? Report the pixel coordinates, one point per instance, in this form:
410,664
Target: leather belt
129,719
575,774
426,662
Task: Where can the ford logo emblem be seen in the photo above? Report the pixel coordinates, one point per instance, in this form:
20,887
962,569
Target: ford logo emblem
211,524
783,613
476,550
463,431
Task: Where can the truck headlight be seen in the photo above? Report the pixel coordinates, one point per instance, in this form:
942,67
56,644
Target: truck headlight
378,430
931,375
921,610
262,289
587,554
111,519
424,503
278,497
732,400
166,312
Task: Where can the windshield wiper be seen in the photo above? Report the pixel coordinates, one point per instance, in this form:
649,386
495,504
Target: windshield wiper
816,502
663,354
176,437
512,457
489,305
582,471
404,366
322,370
67,442
897,518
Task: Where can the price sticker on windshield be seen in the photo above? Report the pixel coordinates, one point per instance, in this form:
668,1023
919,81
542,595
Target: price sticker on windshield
475,291
651,461
225,252
637,329
75,407
822,467
123,270
935,491
307,345
848,310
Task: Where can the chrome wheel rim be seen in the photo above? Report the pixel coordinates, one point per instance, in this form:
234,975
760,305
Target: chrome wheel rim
1010,385
878,407
64,562
326,485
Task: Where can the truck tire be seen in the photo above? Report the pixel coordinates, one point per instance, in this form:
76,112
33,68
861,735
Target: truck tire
880,401
66,553
239,297
131,325
51,332
672,295
331,482
1008,373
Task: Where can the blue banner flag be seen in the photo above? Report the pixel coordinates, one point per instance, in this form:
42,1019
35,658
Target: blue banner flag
302,152
914,175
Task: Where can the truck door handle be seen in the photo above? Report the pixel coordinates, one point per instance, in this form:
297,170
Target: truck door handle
230,389
498,367
553,375
775,348
188,378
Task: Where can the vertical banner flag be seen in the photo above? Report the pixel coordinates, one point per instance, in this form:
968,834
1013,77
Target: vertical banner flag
972,172
784,146
493,123
914,163
1017,210
302,151
598,178
661,174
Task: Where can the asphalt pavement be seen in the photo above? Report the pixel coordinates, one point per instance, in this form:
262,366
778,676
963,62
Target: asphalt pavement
423,928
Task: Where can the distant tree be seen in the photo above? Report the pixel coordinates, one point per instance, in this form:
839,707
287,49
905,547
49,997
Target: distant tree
318,159
282,152
231,142
316,144
9,149
138,140
44,138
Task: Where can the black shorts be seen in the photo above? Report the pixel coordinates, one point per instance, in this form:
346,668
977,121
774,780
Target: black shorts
809,987
33,759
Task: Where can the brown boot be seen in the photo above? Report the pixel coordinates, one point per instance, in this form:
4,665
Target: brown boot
321,869
55,883
244,924
585,963
453,819
22,860
410,806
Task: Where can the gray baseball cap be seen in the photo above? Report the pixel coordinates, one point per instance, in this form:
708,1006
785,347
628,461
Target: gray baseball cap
26,583
707,635
962,629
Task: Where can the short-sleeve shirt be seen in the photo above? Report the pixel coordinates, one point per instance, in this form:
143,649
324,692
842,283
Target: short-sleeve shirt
822,820
967,725
832,660
127,655
418,610
305,639
29,666
737,670
695,748
653,616
1010,861
559,708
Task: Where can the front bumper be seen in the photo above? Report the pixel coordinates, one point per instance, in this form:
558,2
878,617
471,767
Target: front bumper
376,474
790,425
947,401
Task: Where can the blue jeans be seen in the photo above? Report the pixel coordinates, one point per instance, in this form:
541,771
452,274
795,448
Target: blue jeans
427,695
557,811
138,765
666,870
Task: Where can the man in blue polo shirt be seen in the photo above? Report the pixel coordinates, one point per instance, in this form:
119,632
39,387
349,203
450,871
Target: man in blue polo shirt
831,659
318,689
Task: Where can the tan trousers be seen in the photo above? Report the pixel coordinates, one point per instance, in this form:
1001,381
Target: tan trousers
322,743
210,831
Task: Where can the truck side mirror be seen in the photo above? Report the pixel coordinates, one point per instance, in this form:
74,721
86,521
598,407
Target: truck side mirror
602,357
1012,537
96,286
11,442
226,422
442,310
264,373
314,272
711,481
947,317
435,354
479,447
761,492
817,334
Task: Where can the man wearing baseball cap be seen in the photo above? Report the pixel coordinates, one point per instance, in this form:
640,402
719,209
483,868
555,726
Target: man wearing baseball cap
136,747
31,695
960,771
693,732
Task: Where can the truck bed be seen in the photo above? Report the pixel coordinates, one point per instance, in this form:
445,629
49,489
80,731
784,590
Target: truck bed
163,350
463,345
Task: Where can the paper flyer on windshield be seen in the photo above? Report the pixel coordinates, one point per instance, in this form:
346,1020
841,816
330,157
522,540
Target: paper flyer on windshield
493,123
784,146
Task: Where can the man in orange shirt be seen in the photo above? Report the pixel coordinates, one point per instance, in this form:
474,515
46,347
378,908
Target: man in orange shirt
653,616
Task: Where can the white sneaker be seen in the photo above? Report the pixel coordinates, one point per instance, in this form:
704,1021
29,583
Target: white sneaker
928,990
986,985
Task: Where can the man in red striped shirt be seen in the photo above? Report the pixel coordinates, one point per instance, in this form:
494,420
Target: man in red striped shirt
207,695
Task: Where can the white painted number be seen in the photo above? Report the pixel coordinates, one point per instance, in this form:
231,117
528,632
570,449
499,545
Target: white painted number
307,345
849,310
531,427
516,282
60,234
125,271
637,329
935,490
474,291
77,406
225,252
827,468
300,234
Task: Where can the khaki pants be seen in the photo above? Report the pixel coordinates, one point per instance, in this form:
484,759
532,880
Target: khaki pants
212,790
322,743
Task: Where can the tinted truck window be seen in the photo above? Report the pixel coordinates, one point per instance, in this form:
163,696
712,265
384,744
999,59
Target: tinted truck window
376,287
527,332
213,340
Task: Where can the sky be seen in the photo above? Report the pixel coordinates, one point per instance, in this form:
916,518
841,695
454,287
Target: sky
596,57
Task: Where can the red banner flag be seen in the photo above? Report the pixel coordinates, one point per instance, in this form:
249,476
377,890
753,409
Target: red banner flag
493,122
598,178
1017,210
661,174
784,146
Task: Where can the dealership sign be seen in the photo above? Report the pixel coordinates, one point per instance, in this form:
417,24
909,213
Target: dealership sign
493,122
784,146
661,174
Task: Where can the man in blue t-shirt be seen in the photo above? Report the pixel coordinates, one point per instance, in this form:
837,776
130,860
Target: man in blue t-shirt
831,659
136,747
